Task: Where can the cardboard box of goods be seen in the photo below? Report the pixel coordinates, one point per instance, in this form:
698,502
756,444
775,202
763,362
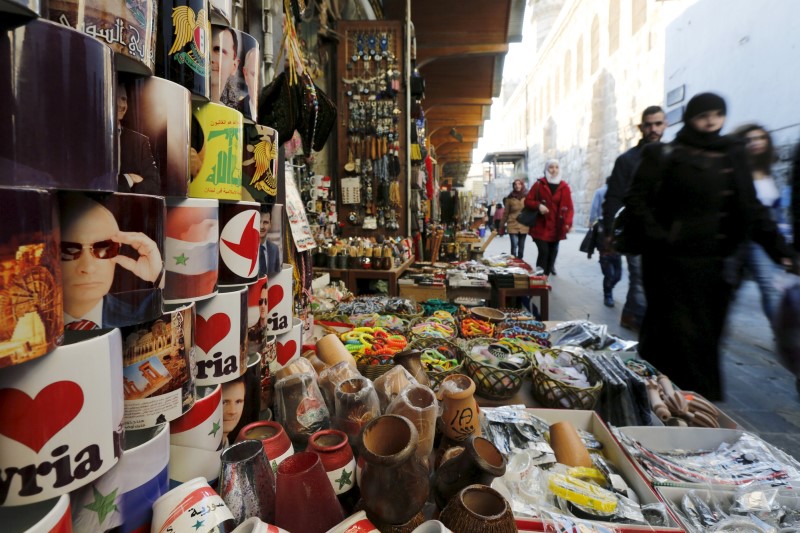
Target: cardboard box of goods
673,496
613,452
689,439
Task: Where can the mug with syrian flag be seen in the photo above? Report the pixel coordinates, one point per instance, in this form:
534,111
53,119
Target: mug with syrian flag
196,439
189,504
124,496
221,337
191,249
61,421
239,240
280,303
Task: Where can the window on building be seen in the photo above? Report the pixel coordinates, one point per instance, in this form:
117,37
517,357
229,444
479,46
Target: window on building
638,15
595,47
613,26
568,72
557,91
579,63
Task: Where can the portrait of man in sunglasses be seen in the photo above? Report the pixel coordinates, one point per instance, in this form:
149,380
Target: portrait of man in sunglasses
91,244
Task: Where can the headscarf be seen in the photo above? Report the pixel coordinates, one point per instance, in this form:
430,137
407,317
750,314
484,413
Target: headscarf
707,140
519,195
549,177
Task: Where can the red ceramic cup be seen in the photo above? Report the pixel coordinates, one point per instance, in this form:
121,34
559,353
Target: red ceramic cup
276,442
305,500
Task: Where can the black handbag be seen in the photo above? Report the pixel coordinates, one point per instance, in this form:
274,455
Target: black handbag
527,217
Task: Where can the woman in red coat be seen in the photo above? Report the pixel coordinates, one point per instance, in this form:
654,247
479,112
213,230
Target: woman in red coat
552,197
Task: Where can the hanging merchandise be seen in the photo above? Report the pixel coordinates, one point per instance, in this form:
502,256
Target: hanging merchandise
33,155
154,136
234,83
122,237
33,315
128,28
372,103
215,156
292,101
260,164
196,439
183,51
221,337
61,422
157,359
298,222
238,242
191,249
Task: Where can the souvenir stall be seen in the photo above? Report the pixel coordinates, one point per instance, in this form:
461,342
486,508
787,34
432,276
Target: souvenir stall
160,367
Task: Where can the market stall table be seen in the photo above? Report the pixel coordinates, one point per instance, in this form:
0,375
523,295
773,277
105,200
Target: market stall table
500,297
351,276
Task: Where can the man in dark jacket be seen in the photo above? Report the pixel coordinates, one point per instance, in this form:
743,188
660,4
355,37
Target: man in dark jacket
796,206
653,124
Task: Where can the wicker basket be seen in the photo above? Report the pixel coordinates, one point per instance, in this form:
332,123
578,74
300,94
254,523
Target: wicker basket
528,324
412,337
372,366
553,393
492,382
449,348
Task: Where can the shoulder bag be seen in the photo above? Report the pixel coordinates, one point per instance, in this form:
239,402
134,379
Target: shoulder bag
527,216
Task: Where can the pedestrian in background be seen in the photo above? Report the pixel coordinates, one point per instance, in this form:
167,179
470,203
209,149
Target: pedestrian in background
499,212
514,203
652,127
552,197
752,259
610,260
691,205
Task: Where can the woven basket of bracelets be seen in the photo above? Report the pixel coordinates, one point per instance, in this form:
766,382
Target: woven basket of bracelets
440,357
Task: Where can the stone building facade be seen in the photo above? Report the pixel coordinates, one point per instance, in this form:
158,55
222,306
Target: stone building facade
594,66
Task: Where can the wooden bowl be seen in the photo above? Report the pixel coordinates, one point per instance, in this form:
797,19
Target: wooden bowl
488,313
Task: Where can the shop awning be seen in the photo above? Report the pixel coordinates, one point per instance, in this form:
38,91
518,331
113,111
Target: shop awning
461,46
504,157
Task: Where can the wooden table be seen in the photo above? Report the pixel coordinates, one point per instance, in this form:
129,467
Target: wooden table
500,297
350,276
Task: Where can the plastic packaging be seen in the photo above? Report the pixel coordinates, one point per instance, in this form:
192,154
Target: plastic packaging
301,365
331,377
392,383
418,404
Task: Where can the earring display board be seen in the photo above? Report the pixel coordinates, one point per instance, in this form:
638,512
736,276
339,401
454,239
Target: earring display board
372,128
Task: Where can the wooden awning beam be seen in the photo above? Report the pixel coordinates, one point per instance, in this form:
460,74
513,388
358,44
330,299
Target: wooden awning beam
428,54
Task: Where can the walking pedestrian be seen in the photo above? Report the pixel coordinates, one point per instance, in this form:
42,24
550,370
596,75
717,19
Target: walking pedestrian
691,205
514,203
752,258
652,127
499,211
551,196
610,260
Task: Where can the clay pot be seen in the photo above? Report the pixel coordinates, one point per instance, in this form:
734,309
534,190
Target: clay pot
460,412
356,404
419,405
304,497
410,360
479,463
337,458
479,508
394,483
273,437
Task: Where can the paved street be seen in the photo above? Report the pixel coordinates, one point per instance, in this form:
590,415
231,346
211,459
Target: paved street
760,394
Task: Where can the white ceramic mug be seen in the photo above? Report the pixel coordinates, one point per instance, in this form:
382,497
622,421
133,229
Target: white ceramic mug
357,523
61,421
201,427
288,346
281,303
221,337
51,516
180,508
